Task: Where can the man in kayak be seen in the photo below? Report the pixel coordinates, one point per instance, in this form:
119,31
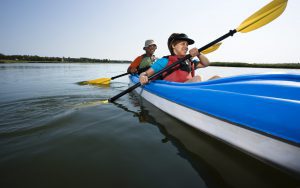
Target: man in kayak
184,72
143,62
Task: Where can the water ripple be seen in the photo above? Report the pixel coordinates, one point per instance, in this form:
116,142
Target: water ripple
34,113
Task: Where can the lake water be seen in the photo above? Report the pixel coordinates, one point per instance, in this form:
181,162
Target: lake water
56,133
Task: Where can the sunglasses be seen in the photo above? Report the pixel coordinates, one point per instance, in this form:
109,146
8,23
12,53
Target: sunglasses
152,46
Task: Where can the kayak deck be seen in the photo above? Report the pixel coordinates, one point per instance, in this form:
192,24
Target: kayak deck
268,103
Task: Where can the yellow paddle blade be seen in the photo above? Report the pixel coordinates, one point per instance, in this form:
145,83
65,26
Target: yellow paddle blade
105,102
91,104
99,81
212,48
263,16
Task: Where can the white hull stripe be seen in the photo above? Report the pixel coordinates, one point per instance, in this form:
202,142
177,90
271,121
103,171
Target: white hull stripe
266,148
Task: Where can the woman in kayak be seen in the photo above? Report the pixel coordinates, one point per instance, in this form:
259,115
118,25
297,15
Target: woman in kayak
143,62
184,72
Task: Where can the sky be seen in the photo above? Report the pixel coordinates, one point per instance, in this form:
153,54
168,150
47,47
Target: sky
117,29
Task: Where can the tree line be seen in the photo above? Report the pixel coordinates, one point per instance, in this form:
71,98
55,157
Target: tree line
257,65
35,58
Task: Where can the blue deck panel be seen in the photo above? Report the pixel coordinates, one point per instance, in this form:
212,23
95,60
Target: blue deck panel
268,103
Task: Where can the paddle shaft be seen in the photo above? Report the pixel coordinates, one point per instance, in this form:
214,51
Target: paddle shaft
230,33
119,75
124,74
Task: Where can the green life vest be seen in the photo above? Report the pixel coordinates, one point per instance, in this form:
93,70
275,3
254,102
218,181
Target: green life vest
146,62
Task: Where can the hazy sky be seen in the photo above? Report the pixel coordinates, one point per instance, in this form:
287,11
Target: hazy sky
117,29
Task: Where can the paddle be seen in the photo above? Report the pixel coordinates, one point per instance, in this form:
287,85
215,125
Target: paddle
212,48
260,18
103,81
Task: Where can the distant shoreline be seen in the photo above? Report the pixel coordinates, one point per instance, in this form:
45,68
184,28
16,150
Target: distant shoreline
65,62
218,64
257,65
41,59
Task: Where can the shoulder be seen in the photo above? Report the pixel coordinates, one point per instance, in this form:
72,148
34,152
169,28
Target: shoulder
138,58
159,64
162,60
136,61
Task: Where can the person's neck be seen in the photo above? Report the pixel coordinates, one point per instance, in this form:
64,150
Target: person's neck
180,56
149,54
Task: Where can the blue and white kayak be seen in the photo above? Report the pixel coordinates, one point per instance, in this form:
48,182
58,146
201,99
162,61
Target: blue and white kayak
258,114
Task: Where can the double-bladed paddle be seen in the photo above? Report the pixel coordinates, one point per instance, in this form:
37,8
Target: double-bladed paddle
260,18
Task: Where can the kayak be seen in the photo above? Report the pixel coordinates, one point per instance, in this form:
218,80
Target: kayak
210,157
257,114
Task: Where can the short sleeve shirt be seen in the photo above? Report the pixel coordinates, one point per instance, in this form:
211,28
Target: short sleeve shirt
159,64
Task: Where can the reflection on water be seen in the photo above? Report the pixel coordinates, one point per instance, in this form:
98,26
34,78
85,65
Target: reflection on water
217,163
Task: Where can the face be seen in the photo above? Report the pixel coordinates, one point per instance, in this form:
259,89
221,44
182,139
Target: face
180,48
151,49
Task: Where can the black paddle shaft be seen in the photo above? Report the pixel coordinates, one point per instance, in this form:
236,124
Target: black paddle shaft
230,33
119,75
124,74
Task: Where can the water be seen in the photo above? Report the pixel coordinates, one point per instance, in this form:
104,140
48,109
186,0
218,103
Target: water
55,133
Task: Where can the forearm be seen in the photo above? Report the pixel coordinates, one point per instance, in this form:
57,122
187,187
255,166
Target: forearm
132,70
144,75
204,62
149,72
128,69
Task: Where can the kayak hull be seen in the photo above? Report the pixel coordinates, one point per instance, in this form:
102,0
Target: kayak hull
280,150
